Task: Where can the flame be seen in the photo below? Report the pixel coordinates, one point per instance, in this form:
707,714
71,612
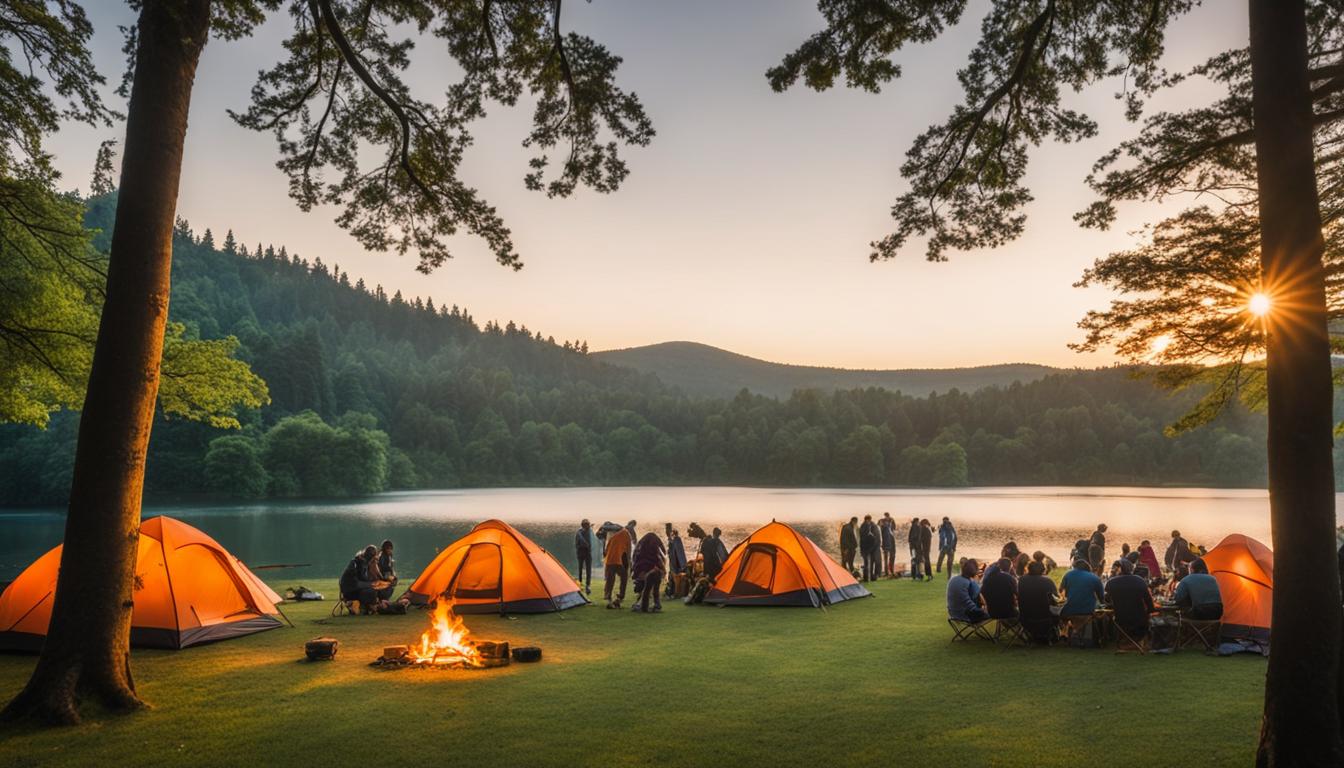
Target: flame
447,641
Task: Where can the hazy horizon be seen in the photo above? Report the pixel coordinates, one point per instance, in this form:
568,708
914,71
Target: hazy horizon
743,226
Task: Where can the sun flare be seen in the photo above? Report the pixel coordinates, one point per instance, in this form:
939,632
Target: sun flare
1259,305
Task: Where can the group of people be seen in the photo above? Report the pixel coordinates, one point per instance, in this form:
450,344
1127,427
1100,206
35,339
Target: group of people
1018,587
369,579
874,543
646,560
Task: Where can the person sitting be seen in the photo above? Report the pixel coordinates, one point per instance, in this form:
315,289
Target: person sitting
358,585
384,568
999,591
1036,595
1020,564
963,595
1198,595
1082,590
1047,562
1128,595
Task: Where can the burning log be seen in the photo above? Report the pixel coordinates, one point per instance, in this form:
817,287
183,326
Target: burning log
447,644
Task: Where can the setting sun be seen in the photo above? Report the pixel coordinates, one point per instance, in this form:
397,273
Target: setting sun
1259,305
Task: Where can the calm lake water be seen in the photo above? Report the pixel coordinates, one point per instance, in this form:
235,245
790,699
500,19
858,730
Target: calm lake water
324,535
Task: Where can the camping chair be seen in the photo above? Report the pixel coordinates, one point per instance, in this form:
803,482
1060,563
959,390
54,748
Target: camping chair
1196,633
965,630
1010,632
1124,640
1082,631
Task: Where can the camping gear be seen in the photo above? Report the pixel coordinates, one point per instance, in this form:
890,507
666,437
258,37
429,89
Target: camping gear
1244,569
494,653
777,565
188,590
301,594
496,569
395,651
527,654
321,648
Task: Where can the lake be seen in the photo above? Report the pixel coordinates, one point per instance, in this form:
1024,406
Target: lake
324,535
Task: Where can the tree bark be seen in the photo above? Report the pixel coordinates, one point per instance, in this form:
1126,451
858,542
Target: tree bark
87,649
1301,725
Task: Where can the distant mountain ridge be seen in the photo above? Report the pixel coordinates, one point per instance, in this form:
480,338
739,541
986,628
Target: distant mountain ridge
700,369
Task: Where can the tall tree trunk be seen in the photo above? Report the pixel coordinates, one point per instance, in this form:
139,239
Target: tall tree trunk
1301,725
87,650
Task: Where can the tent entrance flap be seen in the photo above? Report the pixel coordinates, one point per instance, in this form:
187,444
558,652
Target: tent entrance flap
481,573
757,574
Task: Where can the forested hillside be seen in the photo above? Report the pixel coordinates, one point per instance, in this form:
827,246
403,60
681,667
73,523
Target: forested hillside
699,369
371,392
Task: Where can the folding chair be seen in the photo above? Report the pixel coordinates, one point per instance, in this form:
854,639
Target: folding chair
1082,631
965,630
1197,633
1010,632
1124,638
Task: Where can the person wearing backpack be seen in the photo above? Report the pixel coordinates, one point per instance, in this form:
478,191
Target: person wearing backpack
870,548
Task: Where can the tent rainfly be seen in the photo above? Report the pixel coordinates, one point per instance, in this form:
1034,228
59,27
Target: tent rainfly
1244,569
496,569
777,565
188,590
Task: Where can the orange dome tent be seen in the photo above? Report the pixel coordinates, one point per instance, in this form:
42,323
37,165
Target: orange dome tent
494,568
1244,569
188,590
777,565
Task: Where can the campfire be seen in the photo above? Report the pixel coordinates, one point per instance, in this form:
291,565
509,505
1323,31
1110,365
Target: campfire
447,641
447,644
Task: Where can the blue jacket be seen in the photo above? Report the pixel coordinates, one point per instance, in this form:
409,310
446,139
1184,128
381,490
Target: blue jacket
947,536
676,555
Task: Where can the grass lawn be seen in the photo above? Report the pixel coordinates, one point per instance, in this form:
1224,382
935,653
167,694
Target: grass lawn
865,683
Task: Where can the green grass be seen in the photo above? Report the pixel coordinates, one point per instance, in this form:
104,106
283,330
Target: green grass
865,683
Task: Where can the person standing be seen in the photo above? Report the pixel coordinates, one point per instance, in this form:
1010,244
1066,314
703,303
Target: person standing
947,545
1096,550
583,551
676,559
915,560
714,553
1178,552
849,543
925,548
617,565
634,539
870,547
888,528
649,566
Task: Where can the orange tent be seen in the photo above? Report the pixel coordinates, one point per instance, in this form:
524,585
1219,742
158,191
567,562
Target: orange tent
1244,569
494,568
188,590
777,565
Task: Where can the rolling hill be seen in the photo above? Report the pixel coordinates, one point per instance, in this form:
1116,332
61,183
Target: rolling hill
699,369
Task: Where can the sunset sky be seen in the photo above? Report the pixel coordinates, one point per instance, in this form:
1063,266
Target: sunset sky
744,225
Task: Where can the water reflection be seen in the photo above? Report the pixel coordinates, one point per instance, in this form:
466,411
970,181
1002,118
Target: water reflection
324,535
